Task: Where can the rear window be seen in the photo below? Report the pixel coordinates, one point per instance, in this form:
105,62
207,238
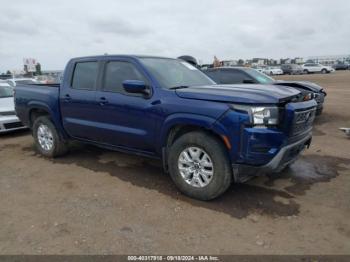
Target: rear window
85,74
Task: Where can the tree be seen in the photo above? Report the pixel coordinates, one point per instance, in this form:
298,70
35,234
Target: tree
38,69
241,62
8,72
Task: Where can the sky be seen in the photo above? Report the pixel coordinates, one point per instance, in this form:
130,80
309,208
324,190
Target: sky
55,31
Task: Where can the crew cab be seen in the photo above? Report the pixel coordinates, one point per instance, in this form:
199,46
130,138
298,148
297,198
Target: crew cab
207,135
245,75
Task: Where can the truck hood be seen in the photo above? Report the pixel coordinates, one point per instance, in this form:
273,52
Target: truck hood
7,104
243,94
301,84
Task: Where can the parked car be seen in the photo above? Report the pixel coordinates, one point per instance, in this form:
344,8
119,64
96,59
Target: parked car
316,68
292,69
207,135
272,70
259,69
8,119
244,75
15,81
341,66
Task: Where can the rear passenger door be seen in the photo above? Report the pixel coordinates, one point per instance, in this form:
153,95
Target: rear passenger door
125,119
78,102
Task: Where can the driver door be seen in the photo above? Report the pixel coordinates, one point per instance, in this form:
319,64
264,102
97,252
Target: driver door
125,119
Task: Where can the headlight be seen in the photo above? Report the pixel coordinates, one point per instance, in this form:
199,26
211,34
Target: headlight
262,116
309,96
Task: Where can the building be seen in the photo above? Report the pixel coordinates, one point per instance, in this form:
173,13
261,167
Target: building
260,61
229,62
329,60
298,61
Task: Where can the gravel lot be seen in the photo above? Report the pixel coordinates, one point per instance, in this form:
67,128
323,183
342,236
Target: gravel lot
94,201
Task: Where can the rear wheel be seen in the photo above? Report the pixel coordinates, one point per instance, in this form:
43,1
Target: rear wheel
47,139
199,165
324,71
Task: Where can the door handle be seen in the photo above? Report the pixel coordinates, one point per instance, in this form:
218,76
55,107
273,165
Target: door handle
102,101
67,98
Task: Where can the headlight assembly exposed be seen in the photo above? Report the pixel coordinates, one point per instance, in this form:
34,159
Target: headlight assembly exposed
261,116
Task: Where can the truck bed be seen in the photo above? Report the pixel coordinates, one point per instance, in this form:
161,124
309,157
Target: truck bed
27,97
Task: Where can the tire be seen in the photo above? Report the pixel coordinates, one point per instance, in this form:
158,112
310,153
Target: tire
221,177
306,71
324,71
47,139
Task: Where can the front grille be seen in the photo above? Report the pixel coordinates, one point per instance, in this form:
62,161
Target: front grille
8,113
303,121
13,125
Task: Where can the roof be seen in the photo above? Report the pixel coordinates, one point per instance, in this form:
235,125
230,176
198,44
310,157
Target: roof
229,67
118,56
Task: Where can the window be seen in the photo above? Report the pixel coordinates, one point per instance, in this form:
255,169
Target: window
232,77
6,91
260,77
213,74
116,72
25,82
84,76
172,73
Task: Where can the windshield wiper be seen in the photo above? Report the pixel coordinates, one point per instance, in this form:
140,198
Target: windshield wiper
178,87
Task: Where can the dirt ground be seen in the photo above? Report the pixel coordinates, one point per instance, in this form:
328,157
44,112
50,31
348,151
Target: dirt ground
94,201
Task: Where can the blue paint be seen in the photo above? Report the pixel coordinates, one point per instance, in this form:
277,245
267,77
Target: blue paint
141,124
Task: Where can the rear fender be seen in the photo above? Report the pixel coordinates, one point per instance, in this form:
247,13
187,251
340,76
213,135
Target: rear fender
54,115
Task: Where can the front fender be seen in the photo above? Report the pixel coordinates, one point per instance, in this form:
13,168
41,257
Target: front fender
182,119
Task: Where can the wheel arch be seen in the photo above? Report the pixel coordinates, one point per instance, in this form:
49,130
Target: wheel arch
176,127
40,109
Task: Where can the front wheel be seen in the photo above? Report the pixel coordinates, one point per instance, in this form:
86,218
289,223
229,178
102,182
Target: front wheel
199,165
47,139
324,71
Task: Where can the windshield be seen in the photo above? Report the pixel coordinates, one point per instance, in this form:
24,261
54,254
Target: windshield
260,77
6,91
172,73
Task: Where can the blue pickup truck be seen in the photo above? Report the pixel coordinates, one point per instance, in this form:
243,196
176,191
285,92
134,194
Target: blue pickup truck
206,135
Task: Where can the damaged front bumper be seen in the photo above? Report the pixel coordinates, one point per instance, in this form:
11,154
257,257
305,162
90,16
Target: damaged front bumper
286,155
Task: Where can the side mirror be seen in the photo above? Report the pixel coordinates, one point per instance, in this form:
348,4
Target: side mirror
136,87
248,81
